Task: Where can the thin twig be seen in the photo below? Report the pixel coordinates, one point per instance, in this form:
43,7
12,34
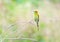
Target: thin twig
22,39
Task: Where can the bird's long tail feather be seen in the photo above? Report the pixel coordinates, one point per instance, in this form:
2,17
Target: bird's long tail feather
38,25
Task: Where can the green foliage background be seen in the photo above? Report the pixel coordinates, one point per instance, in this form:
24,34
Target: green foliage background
18,8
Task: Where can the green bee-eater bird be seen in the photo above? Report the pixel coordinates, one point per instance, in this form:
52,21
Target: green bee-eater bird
36,17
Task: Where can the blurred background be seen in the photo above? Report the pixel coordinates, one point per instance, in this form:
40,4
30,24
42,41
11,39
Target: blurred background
17,21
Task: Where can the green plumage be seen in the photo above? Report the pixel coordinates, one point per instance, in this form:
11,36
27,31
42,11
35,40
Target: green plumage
36,17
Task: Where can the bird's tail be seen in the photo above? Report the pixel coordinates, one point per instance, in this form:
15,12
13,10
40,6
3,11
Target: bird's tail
38,25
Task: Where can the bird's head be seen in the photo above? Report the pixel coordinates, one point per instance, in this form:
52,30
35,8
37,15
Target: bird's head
35,11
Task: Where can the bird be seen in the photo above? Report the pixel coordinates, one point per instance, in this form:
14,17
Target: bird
36,17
